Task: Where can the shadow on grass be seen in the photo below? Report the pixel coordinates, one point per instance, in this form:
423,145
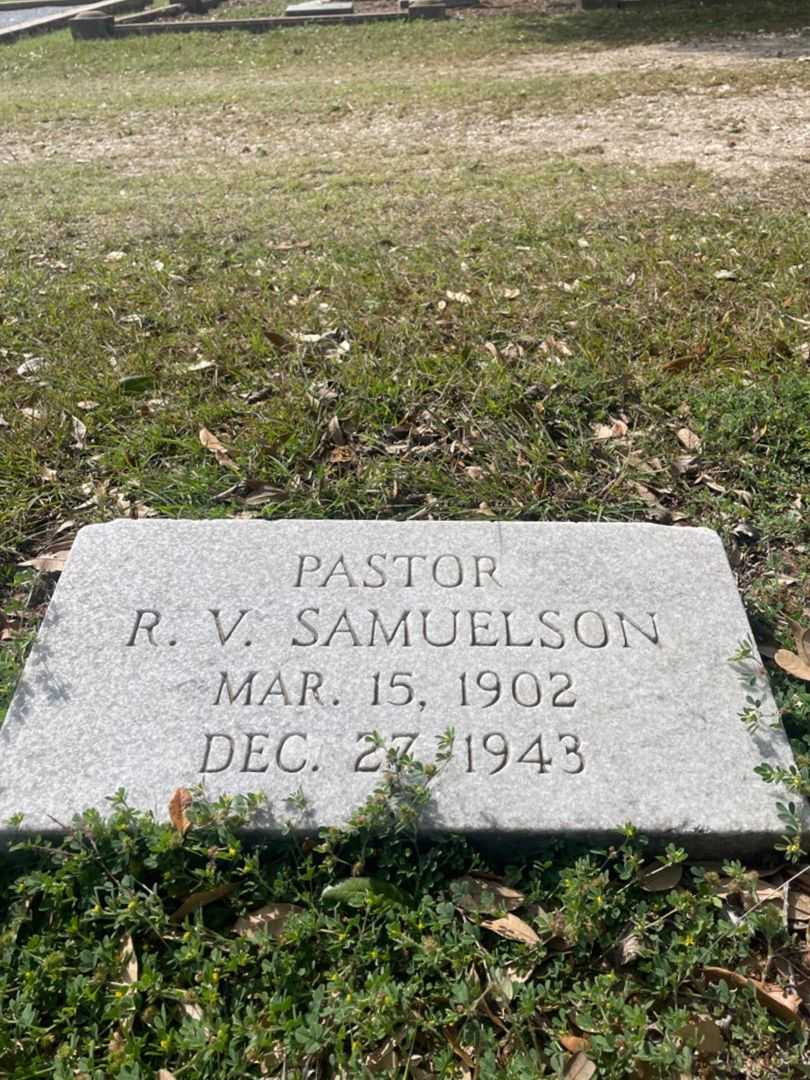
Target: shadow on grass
682,20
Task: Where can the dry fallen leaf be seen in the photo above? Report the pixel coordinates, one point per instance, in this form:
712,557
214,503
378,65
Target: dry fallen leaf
129,961
798,663
336,433
178,804
79,433
660,878
487,895
272,918
580,1068
574,1044
198,900
459,297
773,997
510,926
688,439
460,1051
629,948
704,1034
212,443
340,455
53,563
798,907
194,1012
616,429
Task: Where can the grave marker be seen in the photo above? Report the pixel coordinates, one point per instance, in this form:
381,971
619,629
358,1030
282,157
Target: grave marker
584,668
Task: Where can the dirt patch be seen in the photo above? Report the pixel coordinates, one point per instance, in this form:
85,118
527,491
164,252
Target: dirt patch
718,129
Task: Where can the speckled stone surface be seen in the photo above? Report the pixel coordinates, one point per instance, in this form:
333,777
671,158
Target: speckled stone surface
583,667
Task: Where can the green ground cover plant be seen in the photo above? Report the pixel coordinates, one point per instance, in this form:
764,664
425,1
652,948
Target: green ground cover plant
338,273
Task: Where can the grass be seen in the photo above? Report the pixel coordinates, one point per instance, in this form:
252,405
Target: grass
183,209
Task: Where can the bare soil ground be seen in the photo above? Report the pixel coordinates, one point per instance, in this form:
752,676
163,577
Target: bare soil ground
711,124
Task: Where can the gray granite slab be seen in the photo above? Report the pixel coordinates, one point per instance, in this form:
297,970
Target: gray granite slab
321,7
583,667
14,16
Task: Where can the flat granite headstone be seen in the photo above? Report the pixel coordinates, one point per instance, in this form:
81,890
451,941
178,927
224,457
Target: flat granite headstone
584,669
321,7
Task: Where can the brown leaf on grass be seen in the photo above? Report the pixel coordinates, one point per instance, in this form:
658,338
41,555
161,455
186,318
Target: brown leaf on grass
487,895
129,961
629,948
580,1068
271,918
458,297
510,926
688,439
774,998
798,663
335,432
213,445
79,433
117,1042
616,429
658,877
178,804
194,1012
460,1051
200,899
341,455
574,1044
704,1035
684,464
681,363
52,563
798,907
47,474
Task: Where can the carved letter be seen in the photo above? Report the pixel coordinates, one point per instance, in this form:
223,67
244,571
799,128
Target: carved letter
376,570
246,687
425,616
304,569
555,629
343,572
506,616
475,626
409,559
317,683
480,569
590,644
208,743
280,692
250,750
223,637
280,751
307,626
339,628
653,637
459,575
376,622
148,627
